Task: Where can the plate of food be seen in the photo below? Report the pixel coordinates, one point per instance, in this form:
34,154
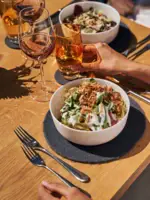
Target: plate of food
101,135
89,111
99,22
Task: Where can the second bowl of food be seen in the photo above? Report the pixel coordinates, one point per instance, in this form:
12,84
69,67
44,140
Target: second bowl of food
90,111
99,22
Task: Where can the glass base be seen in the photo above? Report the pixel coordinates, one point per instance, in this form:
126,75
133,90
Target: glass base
13,44
42,93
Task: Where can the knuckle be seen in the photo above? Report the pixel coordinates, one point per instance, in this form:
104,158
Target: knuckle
56,185
98,45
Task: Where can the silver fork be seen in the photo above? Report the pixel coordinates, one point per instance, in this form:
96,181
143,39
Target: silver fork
37,160
28,140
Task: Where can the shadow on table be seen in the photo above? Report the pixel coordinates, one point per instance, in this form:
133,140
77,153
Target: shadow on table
12,84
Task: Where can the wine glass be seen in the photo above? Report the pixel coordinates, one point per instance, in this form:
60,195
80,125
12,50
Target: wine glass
37,42
10,16
20,5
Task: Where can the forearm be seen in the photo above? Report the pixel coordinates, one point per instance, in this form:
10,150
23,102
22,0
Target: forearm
139,71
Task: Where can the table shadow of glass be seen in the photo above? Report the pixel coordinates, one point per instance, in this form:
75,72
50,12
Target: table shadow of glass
12,84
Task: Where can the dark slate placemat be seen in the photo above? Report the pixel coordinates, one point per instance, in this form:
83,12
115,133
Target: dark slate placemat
123,40
112,150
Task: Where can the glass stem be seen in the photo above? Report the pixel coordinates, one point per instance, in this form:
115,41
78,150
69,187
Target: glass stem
42,73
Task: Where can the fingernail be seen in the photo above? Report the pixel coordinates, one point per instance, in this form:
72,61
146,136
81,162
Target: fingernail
45,183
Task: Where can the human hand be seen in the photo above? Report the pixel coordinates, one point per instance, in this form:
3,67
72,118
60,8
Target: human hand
110,62
123,6
31,3
46,190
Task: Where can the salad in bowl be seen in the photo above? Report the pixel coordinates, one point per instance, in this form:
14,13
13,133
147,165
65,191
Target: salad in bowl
92,107
89,111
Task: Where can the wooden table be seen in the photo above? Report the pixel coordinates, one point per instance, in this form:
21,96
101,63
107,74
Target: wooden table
19,179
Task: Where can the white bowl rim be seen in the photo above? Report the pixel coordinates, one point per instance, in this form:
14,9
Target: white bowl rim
94,2
91,132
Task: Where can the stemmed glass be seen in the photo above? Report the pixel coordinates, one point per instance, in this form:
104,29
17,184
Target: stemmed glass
19,5
37,42
10,15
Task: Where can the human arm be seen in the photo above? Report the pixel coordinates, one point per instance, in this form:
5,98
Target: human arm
139,71
111,62
123,6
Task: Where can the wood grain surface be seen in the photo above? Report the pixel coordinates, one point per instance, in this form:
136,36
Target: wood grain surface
19,179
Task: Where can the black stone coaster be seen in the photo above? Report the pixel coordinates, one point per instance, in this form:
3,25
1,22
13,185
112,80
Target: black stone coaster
110,151
60,78
11,44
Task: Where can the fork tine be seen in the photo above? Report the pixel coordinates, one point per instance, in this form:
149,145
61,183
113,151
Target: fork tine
25,152
27,149
19,136
32,151
27,134
24,134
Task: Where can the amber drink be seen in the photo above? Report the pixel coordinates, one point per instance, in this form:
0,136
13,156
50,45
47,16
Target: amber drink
69,48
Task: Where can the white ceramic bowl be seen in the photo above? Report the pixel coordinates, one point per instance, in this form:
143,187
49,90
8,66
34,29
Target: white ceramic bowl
86,137
110,12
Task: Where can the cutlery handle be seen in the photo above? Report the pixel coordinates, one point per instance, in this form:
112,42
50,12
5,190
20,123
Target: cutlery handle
68,183
135,55
145,99
136,46
76,173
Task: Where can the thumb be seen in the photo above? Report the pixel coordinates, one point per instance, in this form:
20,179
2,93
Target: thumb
57,187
